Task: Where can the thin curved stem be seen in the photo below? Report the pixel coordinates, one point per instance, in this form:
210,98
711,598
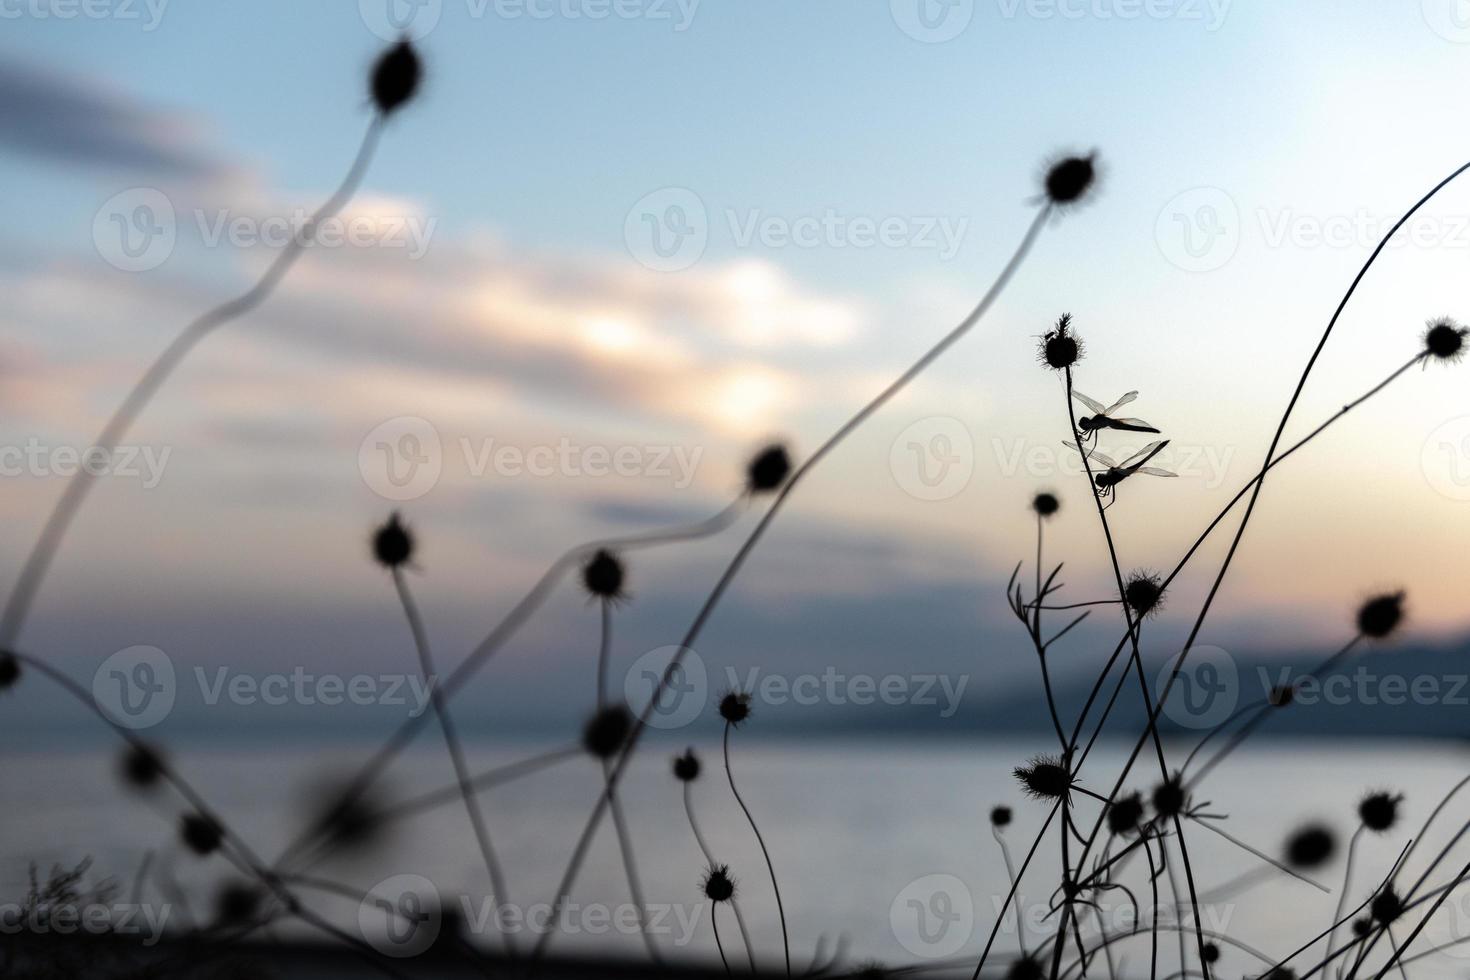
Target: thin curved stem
765,852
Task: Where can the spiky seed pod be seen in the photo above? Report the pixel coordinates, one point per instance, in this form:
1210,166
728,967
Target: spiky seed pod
1311,846
768,470
1386,906
9,670
1026,968
141,767
1444,340
1000,816
237,904
686,767
1144,593
1069,179
201,834
717,884
1125,814
607,730
603,575
1281,695
393,543
1169,797
1045,504
1381,615
1361,927
1380,811
1211,952
351,819
1044,778
735,707
1060,348
396,77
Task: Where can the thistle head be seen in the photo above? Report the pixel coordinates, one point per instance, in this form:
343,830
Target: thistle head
9,670
717,884
1310,846
1386,906
393,543
686,766
607,730
1045,504
603,575
1069,179
1379,811
201,833
1211,952
1169,797
238,904
1381,615
1125,814
1000,816
1444,340
396,77
1060,348
1045,777
768,470
735,707
141,767
1144,593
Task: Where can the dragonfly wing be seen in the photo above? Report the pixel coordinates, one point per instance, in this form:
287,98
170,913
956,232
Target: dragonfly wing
1137,425
1092,454
1145,454
1120,403
1095,406
1156,471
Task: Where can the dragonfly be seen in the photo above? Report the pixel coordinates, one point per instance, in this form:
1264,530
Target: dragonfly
1102,418
1107,480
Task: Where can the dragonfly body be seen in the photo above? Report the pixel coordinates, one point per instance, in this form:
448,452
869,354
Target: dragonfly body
1107,480
1102,417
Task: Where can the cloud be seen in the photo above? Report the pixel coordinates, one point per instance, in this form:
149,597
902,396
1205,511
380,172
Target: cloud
68,119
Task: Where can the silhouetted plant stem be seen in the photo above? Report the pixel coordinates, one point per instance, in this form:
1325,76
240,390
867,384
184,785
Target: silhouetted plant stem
738,561
1015,885
1005,853
33,572
765,852
1152,731
507,628
485,780
714,921
709,858
456,758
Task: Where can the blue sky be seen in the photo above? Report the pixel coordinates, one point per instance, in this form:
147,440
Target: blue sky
1298,131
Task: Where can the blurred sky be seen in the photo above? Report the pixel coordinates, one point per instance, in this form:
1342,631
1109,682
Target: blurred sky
1252,153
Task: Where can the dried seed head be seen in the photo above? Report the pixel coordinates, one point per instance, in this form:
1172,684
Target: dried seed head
237,904
686,767
1026,968
1144,593
1059,347
200,833
1311,846
768,470
1381,615
1444,340
735,707
1361,927
717,885
1125,814
607,730
1045,778
392,543
396,77
1069,179
1045,504
9,670
603,575
1169,798
350,818
141,766
1387,906
1380,811
1211,952
1000,816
